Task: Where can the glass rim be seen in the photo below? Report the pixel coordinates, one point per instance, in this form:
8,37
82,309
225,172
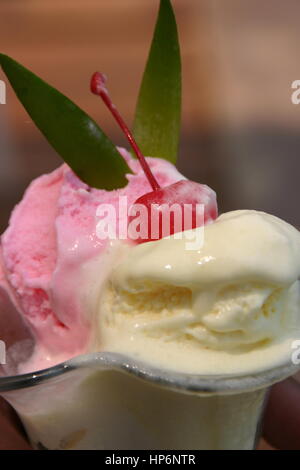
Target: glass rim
184,382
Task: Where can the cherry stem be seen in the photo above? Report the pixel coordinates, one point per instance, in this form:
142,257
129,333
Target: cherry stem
98,88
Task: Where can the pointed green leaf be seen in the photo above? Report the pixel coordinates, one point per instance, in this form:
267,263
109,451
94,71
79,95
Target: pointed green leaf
157,118
70,131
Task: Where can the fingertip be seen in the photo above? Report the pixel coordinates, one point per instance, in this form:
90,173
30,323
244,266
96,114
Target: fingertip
281,426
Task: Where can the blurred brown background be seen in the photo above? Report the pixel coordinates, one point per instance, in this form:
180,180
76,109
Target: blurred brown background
240,131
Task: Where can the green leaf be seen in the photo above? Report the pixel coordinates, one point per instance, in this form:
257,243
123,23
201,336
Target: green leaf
70,131
157,119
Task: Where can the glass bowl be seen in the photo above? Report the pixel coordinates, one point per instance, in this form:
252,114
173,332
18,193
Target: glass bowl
110,401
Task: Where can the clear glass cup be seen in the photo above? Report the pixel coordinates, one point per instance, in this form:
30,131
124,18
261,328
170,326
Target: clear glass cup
110,401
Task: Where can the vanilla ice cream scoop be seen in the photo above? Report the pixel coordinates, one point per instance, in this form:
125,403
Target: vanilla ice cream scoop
226,305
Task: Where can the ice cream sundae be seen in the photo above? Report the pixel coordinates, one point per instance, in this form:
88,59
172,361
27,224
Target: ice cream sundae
228,307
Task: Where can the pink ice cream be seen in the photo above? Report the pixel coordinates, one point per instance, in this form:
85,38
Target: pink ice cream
50,239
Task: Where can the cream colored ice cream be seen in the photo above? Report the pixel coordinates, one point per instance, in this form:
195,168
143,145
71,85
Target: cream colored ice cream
231,306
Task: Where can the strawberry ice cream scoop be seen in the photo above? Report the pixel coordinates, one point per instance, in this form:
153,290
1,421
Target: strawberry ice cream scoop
53,259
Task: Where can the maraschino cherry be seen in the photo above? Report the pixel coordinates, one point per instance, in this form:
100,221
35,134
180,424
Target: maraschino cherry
186,195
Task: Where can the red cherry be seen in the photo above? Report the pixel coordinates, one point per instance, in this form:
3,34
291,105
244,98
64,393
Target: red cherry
181,200
194,204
